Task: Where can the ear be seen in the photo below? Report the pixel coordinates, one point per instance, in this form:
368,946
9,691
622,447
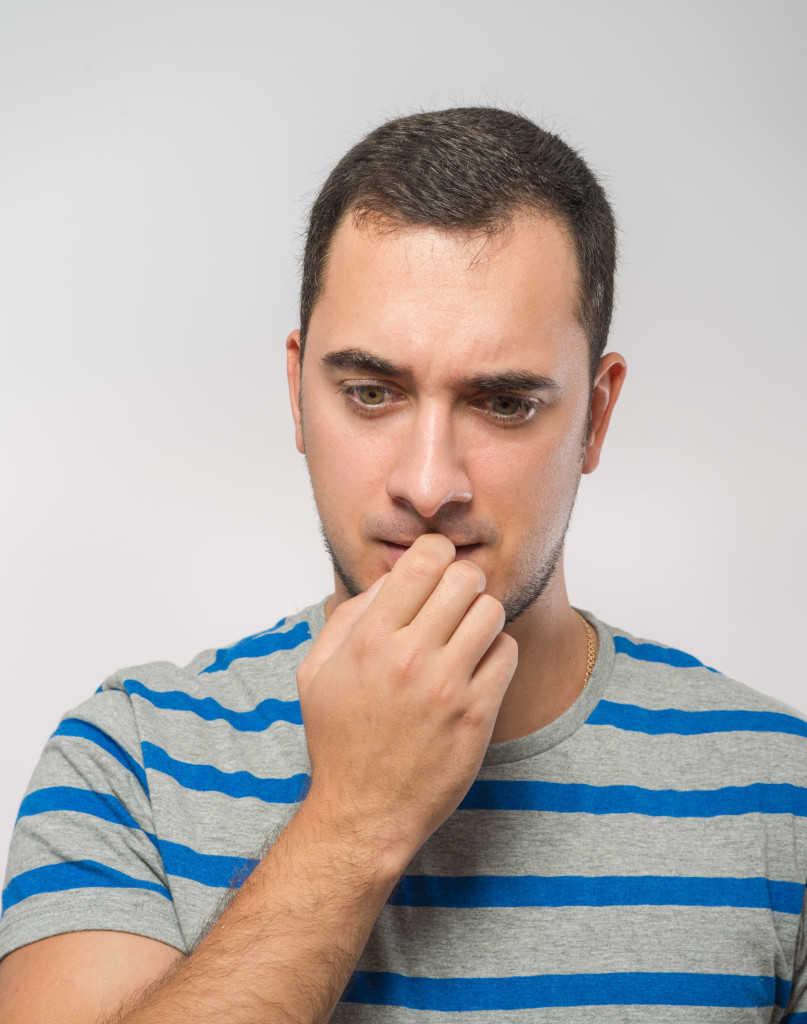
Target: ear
607,385
294,374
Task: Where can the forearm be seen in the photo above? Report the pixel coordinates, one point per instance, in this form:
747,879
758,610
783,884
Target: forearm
285,947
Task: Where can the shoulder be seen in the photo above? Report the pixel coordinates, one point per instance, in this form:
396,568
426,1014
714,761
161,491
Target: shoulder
261,650
130,795
656,690
244,686
259,662
666,673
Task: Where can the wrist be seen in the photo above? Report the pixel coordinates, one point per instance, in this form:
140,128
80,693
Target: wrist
369,849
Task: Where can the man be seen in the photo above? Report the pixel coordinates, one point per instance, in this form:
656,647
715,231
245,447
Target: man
442,788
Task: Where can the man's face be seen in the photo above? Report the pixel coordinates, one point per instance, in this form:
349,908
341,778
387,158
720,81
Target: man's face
445,388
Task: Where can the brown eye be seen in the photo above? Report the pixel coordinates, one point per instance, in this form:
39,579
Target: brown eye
370,394
503,405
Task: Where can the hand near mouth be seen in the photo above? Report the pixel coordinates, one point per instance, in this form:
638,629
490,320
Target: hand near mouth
399,695
395,549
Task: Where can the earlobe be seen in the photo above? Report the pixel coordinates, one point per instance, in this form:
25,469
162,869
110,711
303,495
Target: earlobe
607,386
294,375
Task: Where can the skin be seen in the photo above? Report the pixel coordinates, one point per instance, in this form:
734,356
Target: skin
423,451
443,518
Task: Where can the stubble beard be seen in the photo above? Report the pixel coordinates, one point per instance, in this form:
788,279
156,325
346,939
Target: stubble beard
348,582
514,604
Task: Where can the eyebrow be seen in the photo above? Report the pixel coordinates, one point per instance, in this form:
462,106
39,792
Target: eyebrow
510,380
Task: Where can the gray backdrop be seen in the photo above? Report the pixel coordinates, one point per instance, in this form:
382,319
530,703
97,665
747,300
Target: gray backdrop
157,162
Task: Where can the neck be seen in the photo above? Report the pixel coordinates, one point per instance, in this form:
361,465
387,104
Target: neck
552,662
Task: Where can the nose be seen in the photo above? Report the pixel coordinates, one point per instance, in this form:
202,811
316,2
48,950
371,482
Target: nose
428,472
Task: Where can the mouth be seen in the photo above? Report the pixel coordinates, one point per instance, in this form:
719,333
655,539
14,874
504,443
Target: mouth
394,551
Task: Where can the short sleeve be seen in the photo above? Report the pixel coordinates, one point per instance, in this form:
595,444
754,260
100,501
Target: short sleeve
83,853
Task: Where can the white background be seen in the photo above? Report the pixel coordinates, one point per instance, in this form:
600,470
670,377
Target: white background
158,160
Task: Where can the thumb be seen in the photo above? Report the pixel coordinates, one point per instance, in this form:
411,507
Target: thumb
338,627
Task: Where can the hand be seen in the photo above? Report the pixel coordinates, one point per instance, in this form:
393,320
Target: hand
399,695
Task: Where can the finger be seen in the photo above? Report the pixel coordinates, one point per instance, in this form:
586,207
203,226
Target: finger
475,634
495,670
444,610
338,627
372,591
412,579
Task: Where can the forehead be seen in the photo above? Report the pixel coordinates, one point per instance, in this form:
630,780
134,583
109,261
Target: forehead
444,301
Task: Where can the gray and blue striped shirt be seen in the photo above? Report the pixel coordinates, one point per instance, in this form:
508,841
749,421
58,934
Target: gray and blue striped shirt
643,857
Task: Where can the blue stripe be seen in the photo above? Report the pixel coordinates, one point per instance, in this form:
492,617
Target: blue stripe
82,801
657,653
602,891
205,778
206,868
759,797
259,645
795,1018
257,719
510,795
381,988
79,874
656,722
85,731
179,860
477,891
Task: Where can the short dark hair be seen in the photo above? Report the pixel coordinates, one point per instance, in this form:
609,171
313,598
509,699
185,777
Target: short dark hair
469,169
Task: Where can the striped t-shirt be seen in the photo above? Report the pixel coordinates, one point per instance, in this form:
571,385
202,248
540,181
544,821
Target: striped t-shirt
641,858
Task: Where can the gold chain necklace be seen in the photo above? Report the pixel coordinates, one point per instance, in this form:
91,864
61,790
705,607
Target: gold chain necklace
591,653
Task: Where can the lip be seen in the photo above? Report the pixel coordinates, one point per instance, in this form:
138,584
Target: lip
394,551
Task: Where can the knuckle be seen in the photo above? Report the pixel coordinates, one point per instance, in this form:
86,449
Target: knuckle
346,610
510,645
506,655
465,574
407,660
420,565
477,715
442,695
423,564
491,608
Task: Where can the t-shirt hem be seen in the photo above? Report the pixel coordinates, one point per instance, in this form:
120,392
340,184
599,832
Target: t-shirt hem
22,926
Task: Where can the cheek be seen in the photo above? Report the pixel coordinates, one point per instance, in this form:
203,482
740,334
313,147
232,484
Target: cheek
342,460
529,475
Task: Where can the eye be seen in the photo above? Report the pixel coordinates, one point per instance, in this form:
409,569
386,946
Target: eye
370,399
370,394
509,410
505,405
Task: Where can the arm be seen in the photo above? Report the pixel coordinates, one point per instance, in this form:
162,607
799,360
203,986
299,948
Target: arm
68,977
424,649
283,950
285,947
301,920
